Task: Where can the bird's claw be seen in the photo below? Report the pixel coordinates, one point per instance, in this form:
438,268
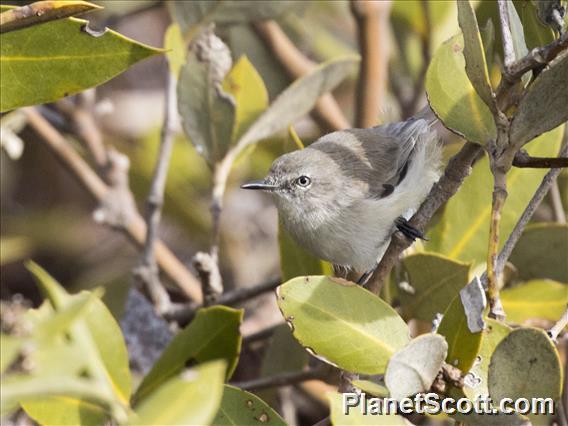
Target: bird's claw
408,230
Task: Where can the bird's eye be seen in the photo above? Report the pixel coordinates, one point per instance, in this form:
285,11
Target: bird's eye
303,181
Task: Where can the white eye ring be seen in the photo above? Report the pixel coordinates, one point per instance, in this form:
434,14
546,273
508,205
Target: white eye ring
303,181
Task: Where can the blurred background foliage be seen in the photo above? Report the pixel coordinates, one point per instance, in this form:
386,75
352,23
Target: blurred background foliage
47,217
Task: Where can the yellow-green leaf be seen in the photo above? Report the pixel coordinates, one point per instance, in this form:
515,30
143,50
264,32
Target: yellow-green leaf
545,299
249,92
173,42
65,411
355,417
324,311
463,229
46,62
452,96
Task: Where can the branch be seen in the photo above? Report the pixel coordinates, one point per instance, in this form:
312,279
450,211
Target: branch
185,313
283,379
147,271
458,168
508,51
559,326
327,112
100,192
523,159
208,269
372,31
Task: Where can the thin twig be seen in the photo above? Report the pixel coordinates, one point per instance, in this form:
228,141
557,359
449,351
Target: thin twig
327,112
508,51
372,31
148,269
135,228
283,379
458,168
523,159
559,326
185,313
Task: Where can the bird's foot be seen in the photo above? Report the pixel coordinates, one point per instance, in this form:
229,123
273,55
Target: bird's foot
365,277
408,230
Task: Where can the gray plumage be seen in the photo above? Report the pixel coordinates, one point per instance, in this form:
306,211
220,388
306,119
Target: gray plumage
340,197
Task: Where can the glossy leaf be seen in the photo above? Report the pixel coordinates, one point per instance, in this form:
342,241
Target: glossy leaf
476,379
463,345
435,280
189,14
543,107
541,252
355,417
461,233
246,87
41,12
298,99
239,407
46,62
323,311
474,53
545,299
213,334
190,398
452,96
207,111
525,364
413,368
177,51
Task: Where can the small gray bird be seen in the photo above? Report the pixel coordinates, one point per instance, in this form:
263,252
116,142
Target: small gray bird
343,196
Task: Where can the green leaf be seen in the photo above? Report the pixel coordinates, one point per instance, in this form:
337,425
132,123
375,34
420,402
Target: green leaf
461,233
410,13
190,398
436,280
98,336
296,261
412,369
452,96
543,107
371,388
323,311
474,53
298,99
517,32
354,417
41,12
173,42
213,334
463,345
541,252
189,14
476,380
9,349
207,111
239,407
46,62
14,248
525,364
545,299
536,33
65,411
246,87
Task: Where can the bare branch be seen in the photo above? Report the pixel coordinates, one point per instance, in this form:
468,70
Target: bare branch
559,326
458,168
93,184
507,37
147,271
208,269
523,159
284,379
372,31
327,112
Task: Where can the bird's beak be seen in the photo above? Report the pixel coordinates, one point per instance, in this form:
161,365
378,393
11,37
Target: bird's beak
259,184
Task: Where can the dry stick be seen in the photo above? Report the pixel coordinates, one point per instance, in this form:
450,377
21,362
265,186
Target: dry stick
523,159
559,326
458,168
326,112
148,271
94,185
284,379
372,32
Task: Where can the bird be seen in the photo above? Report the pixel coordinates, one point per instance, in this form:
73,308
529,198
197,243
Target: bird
343,196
